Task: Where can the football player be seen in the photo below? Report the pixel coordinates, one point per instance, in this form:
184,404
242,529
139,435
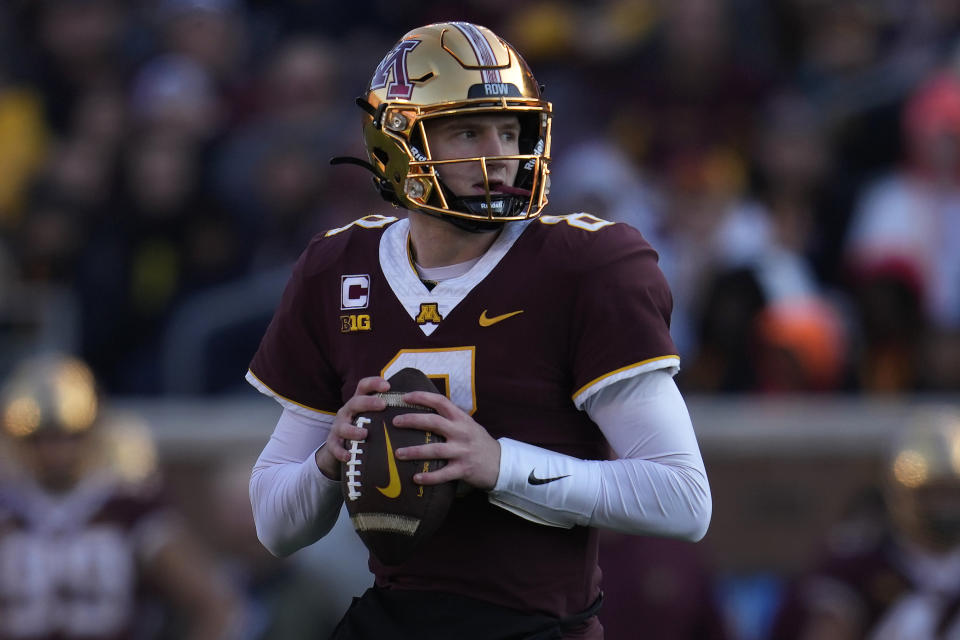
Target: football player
549,335
894,574
81,546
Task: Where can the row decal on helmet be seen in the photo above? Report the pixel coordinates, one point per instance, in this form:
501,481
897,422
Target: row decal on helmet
392,70
482,49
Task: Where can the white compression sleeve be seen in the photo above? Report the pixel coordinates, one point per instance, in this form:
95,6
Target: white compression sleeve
657,487
294,504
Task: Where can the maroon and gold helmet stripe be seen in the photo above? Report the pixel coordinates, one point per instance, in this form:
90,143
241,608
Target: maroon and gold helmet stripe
481,48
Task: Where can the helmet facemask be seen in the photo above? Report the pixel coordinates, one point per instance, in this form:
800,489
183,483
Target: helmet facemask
515,198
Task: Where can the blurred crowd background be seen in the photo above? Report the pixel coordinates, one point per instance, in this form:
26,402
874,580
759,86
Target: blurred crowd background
795,162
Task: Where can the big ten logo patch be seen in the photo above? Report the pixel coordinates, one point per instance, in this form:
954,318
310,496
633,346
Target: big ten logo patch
354,292
355,322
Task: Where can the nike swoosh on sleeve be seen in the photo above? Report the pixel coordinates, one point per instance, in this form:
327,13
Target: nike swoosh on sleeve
533,479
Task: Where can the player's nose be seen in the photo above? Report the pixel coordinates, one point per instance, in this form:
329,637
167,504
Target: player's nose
492,143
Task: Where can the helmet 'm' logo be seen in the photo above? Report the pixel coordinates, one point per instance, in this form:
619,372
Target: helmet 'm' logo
392,72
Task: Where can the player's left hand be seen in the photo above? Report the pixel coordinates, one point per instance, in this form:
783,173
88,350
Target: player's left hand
471,454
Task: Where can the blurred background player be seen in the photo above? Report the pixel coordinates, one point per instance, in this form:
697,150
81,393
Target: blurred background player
891,570
88,547
664,587
283,598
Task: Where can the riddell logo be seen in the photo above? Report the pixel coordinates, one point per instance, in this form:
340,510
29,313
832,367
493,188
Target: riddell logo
354,292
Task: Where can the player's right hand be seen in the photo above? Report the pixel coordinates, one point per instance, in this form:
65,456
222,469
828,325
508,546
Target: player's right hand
333,453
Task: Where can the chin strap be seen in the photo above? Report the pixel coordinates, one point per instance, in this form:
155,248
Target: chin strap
472,204
351,160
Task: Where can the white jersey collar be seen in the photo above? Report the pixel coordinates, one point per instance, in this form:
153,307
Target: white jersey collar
401,274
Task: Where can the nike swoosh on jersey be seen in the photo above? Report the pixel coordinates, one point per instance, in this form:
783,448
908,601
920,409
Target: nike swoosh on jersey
486,322
392,490
533,479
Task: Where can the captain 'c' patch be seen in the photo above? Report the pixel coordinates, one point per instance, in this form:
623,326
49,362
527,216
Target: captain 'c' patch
354,291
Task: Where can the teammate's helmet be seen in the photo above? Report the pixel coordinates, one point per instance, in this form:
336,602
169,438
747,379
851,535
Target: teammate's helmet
50,392
445,69
923,493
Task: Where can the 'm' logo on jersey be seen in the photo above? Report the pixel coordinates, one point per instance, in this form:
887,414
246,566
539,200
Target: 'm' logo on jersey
354,292
429,313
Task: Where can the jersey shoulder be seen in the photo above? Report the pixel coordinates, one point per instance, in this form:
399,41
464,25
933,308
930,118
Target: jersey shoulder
583,242
360,237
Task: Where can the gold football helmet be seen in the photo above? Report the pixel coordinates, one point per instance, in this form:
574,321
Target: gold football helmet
450,69
923,491
50,392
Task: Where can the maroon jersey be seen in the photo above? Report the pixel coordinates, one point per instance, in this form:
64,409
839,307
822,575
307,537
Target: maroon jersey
69,564
556,309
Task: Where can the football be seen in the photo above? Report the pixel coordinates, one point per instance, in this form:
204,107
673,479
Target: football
390,513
